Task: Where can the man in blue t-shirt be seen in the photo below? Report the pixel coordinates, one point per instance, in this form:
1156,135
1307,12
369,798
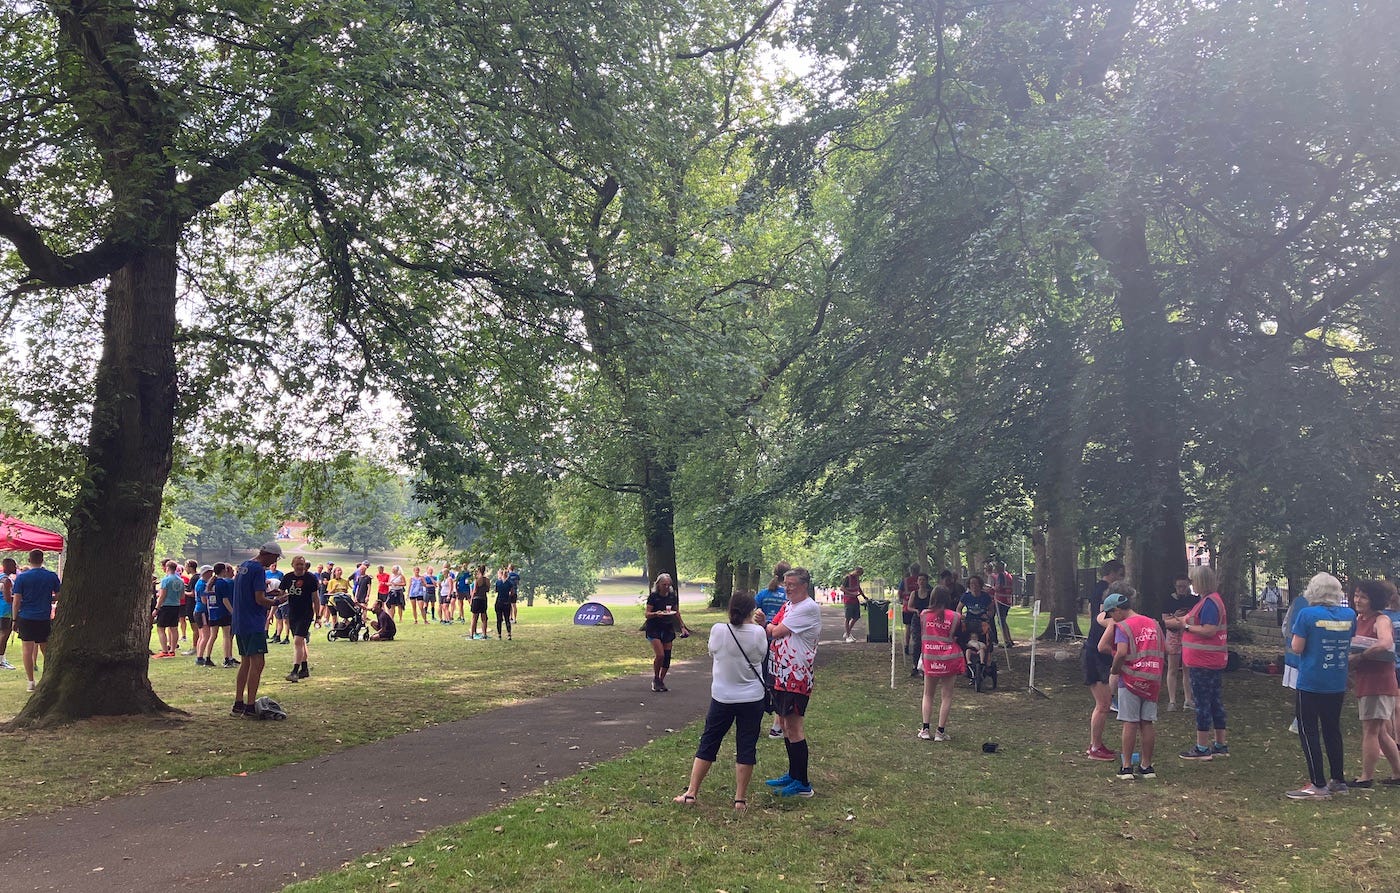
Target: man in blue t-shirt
464,591
513,576
250,604
34,592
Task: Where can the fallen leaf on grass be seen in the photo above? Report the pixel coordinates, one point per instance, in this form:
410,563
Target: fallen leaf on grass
633,841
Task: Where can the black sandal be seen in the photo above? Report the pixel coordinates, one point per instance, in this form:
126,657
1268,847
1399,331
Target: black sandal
684,799
741,805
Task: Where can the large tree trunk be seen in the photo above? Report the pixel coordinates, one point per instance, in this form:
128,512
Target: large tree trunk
98,656
1230,565
724,582
1152,398
658,518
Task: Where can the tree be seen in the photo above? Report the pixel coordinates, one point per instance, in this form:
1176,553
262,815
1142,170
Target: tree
557,570
124,126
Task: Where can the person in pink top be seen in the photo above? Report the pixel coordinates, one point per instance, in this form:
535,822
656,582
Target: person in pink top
1373,680
942,658
1137,662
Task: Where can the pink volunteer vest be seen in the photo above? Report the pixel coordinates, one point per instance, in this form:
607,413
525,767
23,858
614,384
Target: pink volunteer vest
1142,672
1205,652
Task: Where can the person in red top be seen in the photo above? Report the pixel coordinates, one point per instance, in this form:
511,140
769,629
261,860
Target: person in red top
1003,588
1373,680
1137,662
851,595
942,658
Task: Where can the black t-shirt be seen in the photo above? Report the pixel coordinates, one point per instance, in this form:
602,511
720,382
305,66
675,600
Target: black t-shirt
1171,604
1095,609
671,601
362,587
301,593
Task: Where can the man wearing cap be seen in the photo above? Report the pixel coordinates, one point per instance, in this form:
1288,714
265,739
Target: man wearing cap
1137,662
250,604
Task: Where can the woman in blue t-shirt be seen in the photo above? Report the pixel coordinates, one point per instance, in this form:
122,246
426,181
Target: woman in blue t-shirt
1321,638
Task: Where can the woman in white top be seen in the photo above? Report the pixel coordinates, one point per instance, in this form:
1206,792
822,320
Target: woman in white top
736,698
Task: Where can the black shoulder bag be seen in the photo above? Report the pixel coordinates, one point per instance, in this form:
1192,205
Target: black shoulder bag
763,675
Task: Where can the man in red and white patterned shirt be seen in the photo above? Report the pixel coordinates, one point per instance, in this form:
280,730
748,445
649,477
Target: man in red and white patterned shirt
793,652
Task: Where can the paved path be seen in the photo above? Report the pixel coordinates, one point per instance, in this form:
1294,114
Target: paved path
264,831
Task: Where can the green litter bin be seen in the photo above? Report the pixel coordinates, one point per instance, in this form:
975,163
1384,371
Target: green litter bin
877,621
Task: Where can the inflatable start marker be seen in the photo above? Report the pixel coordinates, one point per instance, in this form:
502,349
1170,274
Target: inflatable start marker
593,614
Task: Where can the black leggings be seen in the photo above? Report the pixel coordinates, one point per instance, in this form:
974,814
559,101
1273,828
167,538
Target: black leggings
1314,708
502,614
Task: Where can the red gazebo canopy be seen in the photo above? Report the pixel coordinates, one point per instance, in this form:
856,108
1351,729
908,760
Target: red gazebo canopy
19,536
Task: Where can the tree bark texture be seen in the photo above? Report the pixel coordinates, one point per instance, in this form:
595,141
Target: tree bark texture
98,664
1152,396
658,518
724,582
1230,566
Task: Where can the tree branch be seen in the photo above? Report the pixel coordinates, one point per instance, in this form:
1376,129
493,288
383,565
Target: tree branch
740,41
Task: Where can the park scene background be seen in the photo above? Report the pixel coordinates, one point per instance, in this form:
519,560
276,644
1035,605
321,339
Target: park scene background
614,289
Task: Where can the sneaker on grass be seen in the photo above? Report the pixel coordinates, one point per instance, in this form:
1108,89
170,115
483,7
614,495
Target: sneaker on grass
6,665
796,788
780,782
775,733
924,734
1220,750
1147,772
1101,753
1197,752
1125,773
1308,793
1336,787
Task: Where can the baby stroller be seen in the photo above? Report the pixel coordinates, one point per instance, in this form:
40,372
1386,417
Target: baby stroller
351,620
981,658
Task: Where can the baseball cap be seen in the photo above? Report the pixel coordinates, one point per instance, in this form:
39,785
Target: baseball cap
271,547
1115,601
203,568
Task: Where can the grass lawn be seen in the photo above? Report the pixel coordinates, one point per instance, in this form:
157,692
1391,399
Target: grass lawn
430,675
896,813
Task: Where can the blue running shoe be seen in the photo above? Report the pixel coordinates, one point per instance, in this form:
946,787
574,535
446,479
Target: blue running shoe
781,781
796,789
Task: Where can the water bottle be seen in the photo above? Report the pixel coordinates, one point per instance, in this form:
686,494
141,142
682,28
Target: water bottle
1137,759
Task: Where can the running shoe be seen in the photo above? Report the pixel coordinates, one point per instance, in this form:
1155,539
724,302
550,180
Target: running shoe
1220,750
781,781
1196,752
775,733
1337,787
796,788
942,736
1101,753
655,684
925,735
6,665
1146,771
230,662
237,709
31,686
1309,793
1125,773
661,686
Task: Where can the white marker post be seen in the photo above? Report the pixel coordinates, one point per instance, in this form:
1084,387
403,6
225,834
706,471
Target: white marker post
1035,636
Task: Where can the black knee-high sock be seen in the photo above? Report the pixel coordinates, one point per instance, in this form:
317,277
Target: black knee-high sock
797,759
787,745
